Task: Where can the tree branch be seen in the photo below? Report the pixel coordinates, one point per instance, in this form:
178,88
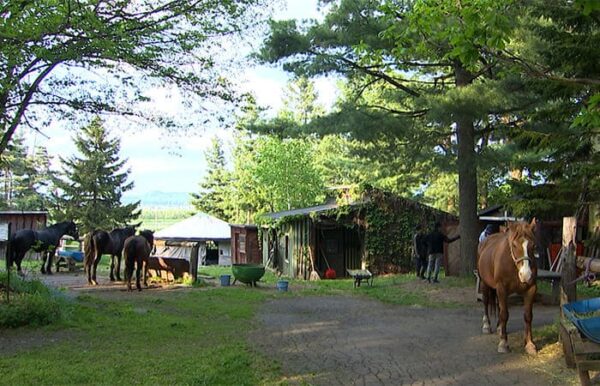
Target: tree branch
10,131
380,75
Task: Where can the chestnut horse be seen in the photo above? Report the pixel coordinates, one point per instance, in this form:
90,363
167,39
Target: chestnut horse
506,265
136,251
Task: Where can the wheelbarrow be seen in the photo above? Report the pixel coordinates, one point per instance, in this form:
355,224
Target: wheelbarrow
580,336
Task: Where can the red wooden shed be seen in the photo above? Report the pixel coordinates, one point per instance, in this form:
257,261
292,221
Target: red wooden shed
244,244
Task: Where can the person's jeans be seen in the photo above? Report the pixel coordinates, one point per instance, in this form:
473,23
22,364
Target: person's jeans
434,265
420,266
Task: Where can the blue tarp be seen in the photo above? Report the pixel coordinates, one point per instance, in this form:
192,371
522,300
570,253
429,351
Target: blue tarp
588,325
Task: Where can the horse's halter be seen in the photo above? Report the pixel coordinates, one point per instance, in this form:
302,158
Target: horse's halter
517,260
524,271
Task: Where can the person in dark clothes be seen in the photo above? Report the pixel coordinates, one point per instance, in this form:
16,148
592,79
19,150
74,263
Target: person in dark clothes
420,251
489,229
435,250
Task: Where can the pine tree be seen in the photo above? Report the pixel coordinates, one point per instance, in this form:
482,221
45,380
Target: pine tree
300,101
213,195
23,177
91,184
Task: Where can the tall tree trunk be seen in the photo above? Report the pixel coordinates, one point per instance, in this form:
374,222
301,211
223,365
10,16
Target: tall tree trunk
467,181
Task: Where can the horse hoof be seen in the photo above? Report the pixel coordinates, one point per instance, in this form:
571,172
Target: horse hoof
530,349
503,347
486,330
94,282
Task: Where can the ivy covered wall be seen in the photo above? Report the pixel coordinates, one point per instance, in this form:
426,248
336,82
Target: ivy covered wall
389,226
387,223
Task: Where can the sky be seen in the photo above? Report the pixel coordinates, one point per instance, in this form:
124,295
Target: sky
158,166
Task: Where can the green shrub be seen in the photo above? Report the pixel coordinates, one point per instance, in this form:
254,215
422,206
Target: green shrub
31,303
30,309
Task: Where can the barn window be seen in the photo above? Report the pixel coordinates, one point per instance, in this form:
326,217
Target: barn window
287,247
242,243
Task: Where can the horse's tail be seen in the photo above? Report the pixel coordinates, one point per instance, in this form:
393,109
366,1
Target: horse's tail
88,250
128,255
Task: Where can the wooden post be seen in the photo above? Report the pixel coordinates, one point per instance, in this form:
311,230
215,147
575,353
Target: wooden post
194,262
6,259
568,291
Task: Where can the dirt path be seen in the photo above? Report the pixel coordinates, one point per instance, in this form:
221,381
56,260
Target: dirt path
352,340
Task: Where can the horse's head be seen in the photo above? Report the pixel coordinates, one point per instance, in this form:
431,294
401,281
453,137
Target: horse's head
72,230
148,235
128,231
521,242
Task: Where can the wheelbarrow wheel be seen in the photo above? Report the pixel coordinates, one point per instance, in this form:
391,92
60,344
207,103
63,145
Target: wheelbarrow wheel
567,345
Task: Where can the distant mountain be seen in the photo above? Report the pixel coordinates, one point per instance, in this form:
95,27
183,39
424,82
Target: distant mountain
159,199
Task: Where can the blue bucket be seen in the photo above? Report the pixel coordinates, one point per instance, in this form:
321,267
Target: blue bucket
225,279
282,285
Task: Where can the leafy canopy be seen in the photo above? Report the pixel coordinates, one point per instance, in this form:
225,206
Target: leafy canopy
59,59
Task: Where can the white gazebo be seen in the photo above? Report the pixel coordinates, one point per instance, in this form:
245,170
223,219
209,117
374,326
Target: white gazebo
201,239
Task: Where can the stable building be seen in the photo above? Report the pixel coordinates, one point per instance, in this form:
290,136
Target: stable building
374,233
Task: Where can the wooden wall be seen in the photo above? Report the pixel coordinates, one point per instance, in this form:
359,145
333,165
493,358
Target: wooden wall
299,242
245,247
22,220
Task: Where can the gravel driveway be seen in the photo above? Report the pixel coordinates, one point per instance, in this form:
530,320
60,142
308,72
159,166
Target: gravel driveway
353,340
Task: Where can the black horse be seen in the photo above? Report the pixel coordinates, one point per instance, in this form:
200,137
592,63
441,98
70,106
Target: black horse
100,242
136,252
44,241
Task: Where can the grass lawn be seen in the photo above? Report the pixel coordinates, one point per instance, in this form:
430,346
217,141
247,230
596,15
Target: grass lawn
195,336
190,337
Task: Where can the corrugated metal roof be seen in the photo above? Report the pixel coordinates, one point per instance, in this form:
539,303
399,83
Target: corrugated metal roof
199,227
334,205
302,211
10,212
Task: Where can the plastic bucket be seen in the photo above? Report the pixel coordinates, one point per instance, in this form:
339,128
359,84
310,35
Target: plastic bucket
225,279
282,285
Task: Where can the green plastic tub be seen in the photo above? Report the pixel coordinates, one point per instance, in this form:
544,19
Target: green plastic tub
248,273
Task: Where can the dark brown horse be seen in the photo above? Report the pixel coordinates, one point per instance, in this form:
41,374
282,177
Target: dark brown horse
506,265
44,241
136,252
100,242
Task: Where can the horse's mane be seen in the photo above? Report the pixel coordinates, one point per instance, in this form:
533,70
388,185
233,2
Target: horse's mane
60,224
517,230
148,235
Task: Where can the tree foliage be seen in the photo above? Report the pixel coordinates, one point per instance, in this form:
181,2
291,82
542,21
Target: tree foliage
24,177
558,147
272,174
488,89
65,58
213,197
90,185
421,77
